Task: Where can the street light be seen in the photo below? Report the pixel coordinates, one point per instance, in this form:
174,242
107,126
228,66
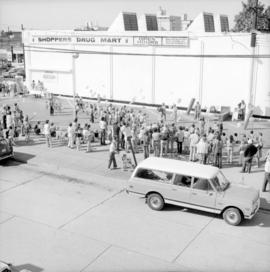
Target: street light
74,57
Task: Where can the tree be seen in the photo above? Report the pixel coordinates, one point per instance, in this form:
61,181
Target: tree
245,20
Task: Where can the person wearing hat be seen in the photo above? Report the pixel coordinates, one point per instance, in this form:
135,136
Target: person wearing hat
266,171
249,153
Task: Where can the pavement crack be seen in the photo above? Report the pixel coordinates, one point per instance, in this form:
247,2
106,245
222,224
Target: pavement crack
99,255
20,184
192,240
13,216
91,208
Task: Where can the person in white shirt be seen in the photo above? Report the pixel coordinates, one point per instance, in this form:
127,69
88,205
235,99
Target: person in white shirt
202,149
103,127
267,171
125,129
194,139
88,138
71,134
47,133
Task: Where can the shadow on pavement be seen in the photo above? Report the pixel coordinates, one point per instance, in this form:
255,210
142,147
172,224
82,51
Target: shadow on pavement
265,203
21,157
256,221
173,208
27,267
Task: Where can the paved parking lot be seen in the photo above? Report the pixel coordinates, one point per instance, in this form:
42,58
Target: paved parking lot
50,223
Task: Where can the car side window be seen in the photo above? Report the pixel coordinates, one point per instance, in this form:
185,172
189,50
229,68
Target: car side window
202,184
156,175
183,181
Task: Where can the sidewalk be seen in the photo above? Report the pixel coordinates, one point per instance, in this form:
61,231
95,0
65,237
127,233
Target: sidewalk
90,167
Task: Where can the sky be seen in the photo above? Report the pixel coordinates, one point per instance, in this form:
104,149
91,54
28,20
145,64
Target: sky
69,14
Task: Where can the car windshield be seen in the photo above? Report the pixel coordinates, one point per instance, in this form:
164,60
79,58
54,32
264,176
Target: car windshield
220,182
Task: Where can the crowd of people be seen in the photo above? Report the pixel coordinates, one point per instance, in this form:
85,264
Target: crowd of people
14,123
127,129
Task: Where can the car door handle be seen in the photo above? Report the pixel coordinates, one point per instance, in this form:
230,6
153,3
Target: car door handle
194,193
174,189
210,193
130,186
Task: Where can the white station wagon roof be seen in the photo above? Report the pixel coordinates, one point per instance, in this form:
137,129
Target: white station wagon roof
179,167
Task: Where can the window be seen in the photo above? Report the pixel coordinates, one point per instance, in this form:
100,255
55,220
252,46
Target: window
202,184
130,21
220,182
184,181
156,175
224,23
151,22
209,23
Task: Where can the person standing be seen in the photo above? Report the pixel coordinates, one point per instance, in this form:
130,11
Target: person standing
243,109
164,138
266,171
172,138
70,134
202,149
217,151
116,134
180,140
242,149
103,127
174,108
197,111
88,138
47,133
156,141
230,144
259,144
146,142
194,139
112,151
163,112
249,153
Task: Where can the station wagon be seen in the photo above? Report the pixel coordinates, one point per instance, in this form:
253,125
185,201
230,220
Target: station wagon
195,186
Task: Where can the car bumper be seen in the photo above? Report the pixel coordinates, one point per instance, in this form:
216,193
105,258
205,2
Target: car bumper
6,156
254,211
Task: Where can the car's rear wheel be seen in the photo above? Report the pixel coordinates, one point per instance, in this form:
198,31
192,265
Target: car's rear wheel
155,201
232,216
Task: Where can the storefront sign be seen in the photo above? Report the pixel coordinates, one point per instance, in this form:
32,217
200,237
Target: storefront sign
175,41
113,40
99,40
49,76
146,41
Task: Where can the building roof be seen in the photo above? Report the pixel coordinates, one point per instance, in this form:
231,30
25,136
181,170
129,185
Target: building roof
180,167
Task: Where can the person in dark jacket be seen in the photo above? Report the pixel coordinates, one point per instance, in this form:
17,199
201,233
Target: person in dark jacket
249,153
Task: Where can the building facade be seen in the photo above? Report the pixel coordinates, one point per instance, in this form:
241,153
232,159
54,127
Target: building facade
217,68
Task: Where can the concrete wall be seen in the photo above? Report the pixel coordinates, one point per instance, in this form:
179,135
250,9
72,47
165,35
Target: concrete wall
219,81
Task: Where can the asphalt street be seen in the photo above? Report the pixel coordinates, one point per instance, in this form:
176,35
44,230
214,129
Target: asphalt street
52,223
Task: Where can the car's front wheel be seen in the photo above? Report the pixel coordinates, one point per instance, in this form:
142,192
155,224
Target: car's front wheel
232,216
155,201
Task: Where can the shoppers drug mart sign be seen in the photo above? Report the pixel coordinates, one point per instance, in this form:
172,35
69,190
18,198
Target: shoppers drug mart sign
112,40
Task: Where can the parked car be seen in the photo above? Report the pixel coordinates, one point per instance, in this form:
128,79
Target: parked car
6,149
4,267
193,185
14,72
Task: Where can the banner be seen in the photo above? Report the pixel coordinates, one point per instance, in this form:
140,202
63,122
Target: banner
112,40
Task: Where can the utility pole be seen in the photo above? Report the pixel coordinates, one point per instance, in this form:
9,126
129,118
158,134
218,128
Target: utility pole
253,46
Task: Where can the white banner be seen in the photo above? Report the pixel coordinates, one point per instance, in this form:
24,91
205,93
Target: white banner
113,40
